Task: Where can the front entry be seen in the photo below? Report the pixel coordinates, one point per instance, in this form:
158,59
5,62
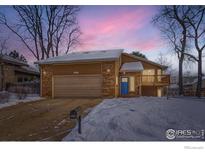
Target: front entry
124,86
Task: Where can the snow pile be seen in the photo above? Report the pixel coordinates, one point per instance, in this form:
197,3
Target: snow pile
132,67
140,119
13,100
84,56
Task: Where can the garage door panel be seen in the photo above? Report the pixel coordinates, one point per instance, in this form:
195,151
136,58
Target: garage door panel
78,86
77,93
62,81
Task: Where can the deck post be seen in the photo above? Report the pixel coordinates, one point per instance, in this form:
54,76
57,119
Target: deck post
167,92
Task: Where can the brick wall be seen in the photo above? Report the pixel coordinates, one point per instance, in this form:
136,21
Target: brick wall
46,80
108,88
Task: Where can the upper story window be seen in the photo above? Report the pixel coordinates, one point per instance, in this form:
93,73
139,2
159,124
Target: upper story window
149,72
148,75
159,72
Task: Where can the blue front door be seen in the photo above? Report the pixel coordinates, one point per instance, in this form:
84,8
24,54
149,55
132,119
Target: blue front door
124,86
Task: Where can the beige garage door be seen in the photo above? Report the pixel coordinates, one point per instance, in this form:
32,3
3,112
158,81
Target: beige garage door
77,86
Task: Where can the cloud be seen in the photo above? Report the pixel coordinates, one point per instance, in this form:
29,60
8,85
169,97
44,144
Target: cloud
118,29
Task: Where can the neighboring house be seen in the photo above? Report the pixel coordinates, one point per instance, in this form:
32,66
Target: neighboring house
189,85
14,71
186,79
106,73
190,88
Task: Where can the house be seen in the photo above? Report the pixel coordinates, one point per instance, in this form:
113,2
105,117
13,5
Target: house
191,87
105,73
15,71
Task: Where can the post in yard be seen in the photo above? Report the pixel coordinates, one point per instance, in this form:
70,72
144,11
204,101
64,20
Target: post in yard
76,115
79,124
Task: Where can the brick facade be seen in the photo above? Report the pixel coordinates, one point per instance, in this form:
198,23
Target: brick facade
108,72
46,80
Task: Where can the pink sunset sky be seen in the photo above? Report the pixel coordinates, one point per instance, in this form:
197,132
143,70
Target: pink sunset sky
107,27
126,27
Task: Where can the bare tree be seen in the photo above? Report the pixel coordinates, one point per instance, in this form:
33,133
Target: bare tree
196,19
171,20
163,60
45,30
3,48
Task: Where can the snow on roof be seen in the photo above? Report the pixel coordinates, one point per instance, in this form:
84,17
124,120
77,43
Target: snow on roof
173,86
195,81
84,56
132,67
28,69
12,60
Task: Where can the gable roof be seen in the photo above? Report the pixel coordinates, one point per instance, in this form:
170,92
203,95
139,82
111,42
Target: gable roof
11,60
146,60
98,55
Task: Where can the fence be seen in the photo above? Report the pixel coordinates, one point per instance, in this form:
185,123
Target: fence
187,92
191,92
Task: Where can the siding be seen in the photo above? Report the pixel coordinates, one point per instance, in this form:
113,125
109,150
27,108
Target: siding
94,68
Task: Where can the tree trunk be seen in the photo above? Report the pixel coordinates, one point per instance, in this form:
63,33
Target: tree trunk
2,76
181,91
198,90
42,55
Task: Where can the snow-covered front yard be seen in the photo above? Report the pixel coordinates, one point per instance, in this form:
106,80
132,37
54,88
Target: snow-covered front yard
13,100
141,119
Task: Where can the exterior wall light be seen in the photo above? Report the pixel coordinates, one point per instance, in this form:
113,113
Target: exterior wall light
44,72
76,72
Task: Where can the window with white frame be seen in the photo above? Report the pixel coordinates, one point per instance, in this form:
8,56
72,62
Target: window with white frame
131,83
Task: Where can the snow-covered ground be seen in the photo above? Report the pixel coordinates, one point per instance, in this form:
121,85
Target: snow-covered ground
141,119
13,100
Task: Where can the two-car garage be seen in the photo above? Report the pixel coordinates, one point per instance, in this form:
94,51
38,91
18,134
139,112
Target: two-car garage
77,86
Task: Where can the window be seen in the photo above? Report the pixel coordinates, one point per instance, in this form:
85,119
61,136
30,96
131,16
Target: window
131,83
149,72
159,73
25,79
124,79
20,79
148,75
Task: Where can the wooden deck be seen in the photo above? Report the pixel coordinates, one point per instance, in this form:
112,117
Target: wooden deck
154,80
